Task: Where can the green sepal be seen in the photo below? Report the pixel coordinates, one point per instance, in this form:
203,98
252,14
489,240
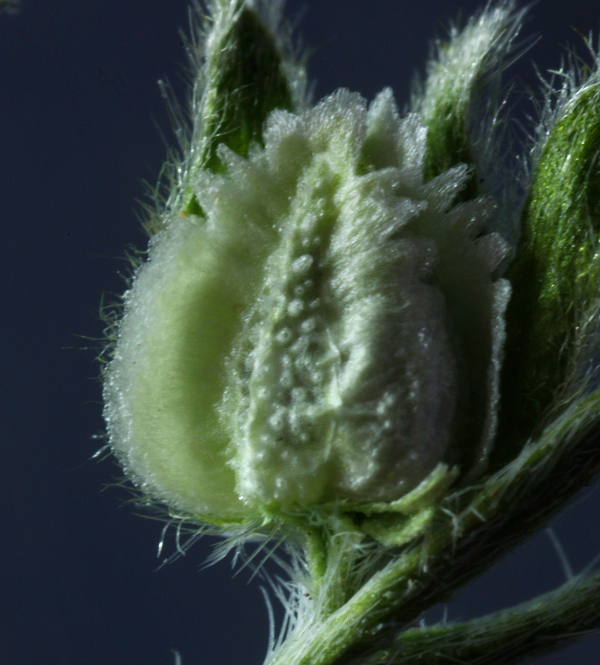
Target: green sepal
393,530
424,495
448,144
399,522
556,272
461,95
445,110
245,81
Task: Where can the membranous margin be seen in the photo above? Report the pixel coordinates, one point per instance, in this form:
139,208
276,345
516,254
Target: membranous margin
345,376
245,81
557,270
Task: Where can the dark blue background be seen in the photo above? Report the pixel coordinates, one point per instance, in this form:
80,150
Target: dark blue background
78,100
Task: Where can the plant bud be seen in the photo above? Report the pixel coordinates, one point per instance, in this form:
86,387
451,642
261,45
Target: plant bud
329,332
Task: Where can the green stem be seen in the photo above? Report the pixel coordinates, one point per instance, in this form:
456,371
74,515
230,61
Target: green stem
504,637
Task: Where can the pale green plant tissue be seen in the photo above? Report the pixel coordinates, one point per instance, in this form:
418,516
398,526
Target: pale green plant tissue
367,336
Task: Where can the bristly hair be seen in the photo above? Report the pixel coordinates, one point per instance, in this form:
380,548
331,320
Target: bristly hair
468,68
575,76
209,20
